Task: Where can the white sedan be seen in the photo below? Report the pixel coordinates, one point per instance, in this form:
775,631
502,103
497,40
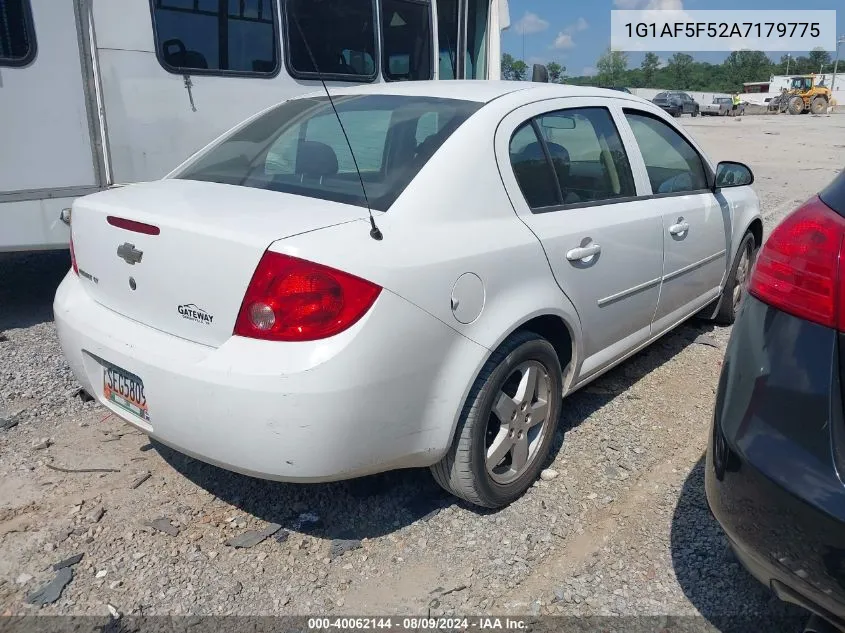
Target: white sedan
525,238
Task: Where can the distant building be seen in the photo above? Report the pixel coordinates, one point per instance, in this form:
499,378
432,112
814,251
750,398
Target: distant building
760,92
756,87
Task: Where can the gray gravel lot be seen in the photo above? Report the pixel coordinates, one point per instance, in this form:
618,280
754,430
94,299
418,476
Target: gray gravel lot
622,530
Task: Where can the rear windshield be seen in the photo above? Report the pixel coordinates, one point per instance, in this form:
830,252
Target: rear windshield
661,95
299,147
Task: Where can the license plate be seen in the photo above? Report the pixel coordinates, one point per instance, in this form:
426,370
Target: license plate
126,391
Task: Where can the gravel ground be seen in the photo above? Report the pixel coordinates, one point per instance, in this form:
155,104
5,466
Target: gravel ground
623,529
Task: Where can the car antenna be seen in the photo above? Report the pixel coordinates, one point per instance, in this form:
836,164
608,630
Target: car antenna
375,233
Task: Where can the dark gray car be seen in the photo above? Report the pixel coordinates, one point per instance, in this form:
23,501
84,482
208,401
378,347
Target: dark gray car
676,103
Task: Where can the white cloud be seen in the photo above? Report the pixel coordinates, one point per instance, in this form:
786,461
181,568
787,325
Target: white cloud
564,38
530,23
661,63
563,41
589,70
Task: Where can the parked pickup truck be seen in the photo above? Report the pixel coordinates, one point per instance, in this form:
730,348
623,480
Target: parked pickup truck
720,106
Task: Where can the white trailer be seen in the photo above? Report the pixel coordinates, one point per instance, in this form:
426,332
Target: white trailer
97,93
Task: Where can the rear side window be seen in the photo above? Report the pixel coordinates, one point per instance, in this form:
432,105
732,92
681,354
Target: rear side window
341,35
213,37
406,39
672,164
581,150
299,147
17,35
532,168
589,160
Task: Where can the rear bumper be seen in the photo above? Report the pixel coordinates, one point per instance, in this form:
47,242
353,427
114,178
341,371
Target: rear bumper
367,400
671,109
772,473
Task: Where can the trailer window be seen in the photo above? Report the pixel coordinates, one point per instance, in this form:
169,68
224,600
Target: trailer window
17,37
339,34
476,42
447,33
217,36
406,38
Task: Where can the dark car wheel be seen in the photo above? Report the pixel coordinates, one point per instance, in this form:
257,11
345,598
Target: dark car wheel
736,286
507,424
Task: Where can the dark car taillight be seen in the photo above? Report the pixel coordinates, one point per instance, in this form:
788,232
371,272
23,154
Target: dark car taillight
291,299
798,270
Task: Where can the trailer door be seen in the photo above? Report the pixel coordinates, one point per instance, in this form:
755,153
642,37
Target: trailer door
46,148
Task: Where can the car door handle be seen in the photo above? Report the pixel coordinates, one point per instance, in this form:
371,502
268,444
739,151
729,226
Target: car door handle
583,252
680,227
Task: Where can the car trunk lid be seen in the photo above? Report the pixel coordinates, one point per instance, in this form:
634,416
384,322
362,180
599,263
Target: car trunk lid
178,255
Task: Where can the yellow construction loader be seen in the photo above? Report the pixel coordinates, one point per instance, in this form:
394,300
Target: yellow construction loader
805,95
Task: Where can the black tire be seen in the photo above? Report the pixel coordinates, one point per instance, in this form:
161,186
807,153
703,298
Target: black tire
677,114
818,105
695,112
795,105
728,308
463,470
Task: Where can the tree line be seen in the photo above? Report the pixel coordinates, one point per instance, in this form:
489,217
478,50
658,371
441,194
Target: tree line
680,71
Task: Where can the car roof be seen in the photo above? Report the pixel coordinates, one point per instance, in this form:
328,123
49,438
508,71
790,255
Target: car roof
478,90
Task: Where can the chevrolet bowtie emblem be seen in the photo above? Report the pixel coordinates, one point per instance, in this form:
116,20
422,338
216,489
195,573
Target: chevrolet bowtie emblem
128,253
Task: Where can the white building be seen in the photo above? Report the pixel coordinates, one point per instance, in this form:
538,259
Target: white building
760,92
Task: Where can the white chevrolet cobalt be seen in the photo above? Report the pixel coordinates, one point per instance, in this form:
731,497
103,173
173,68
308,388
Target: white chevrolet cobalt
287,307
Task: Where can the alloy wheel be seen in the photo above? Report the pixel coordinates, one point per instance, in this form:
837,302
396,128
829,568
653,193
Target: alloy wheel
518,422
741,281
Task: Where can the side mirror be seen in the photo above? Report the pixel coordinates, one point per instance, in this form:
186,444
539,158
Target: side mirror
732,174
540,74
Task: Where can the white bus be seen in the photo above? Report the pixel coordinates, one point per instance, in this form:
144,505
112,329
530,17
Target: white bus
96,93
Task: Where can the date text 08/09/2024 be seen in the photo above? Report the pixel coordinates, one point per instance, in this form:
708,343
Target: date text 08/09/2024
386,624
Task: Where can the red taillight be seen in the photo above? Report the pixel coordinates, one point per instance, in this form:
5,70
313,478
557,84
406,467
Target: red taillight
73,255
797,270
132,225
291,299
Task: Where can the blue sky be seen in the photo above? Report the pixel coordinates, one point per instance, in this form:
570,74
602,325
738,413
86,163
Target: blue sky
575,32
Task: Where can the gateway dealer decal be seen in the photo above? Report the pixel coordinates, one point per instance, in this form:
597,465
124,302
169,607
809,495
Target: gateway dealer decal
193,312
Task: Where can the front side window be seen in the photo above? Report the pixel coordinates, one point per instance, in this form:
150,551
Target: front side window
672,164
340,34
299,147
17,36
217,37
406,38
